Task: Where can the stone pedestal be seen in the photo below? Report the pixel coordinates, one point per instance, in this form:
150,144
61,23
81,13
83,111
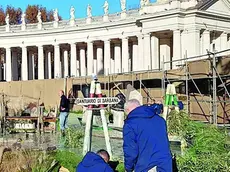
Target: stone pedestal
118,118
141,11
89,20
175,4
23,27
72,22
39,26
105,18
123,15
55,24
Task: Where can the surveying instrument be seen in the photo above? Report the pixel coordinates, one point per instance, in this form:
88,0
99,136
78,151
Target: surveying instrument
95,90
170,100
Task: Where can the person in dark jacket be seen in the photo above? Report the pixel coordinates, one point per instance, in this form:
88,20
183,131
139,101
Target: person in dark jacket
64,111
95,162
146,145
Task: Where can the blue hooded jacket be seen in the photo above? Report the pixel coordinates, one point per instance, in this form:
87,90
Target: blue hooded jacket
93,162
146,143
157,108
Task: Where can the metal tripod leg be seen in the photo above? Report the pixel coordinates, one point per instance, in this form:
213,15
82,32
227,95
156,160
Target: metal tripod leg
106,132
88,132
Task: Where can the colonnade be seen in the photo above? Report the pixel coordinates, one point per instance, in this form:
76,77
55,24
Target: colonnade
110,56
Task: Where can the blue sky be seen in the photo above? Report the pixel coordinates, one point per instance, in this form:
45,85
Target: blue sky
64,6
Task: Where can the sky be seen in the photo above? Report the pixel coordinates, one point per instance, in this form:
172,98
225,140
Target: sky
80,6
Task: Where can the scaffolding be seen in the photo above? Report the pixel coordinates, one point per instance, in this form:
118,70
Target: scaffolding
208,104
211,104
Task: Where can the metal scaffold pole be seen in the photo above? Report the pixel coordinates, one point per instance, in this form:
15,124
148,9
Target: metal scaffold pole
214,106
163,78
186,84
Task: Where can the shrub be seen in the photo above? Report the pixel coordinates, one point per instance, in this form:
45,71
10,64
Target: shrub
73,138
207,145
68,160
177,122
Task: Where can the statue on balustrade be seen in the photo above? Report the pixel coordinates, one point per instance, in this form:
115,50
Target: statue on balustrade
23,18
72,13
39,16
147,2
55,14
89,11
7,19
106,8
144,3
123,5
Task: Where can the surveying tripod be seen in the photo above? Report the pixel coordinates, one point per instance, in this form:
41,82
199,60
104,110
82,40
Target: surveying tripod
170,99
95,89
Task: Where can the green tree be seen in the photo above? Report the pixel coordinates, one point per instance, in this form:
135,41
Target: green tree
14,14
2,16
32,12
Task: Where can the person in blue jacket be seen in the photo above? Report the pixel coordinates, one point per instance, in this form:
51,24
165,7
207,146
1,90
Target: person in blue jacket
146,145
95,162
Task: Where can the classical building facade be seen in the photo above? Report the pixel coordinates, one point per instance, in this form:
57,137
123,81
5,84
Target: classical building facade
134,40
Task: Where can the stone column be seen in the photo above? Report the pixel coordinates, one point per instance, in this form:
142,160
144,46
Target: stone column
31,65
57,66
40,62
117,57
130,57
1,72
136,62
66,64
125,55
82,61
8,64
223,42
155,53
184,43
206,41
24,66
95,66
228,43
147,52
73,60
140,52
14,66
100,62
165,52
89,58
194,42
107,57
4,71
46,65
49,65
176,48
112,61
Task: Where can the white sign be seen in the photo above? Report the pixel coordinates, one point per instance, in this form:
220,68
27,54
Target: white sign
97,101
